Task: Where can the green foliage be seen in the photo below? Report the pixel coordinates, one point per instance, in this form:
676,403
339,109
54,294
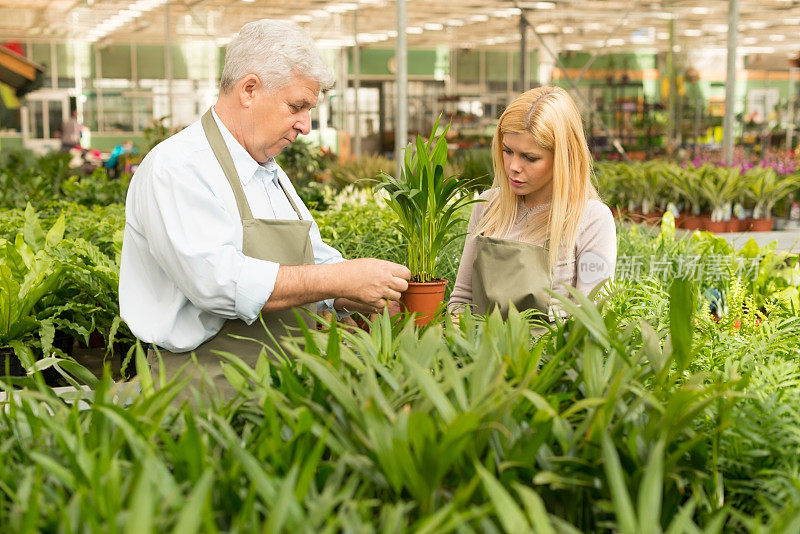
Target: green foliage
28,273
25,180
96,189
708,188
638,413
81,269
475,166
426,202
766,188
303,162
359,171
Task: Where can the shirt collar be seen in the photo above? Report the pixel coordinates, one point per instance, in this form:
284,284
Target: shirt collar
245,165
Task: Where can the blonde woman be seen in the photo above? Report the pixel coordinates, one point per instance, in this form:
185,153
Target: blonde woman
542,225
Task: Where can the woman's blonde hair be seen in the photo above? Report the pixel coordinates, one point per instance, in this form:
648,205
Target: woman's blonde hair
550,116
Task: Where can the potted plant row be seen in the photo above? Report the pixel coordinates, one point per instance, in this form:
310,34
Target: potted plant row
713,198
428,204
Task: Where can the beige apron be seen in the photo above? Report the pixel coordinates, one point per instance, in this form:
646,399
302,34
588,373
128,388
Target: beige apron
510,272
286,242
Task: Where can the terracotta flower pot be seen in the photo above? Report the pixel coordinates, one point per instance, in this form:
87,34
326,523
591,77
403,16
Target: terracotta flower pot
423,299
717,227
654,217
737,225
762,225
691,222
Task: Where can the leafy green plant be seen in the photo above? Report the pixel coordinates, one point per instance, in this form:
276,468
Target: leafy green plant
475,165
687,184
302,162
427,203
719,187
359,170
766,188
28,273
96,189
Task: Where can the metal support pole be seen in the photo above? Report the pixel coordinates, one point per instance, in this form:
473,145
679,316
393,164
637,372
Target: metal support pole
135,80
168,62
672,124
401,119
98,75
356,86
792,105
524,75
581,98
730,82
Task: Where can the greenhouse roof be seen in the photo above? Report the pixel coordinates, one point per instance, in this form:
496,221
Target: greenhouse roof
766,26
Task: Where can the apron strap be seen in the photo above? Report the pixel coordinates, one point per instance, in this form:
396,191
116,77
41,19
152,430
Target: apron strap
223,155
289,198
225,160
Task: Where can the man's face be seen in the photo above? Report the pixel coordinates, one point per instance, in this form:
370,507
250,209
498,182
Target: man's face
279,116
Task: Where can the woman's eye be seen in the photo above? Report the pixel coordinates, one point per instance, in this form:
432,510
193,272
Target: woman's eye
532,159
506,151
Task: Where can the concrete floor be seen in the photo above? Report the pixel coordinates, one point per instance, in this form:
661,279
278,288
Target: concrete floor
788,240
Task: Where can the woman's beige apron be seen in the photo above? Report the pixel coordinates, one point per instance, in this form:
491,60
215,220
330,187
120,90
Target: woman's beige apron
286,242
508,272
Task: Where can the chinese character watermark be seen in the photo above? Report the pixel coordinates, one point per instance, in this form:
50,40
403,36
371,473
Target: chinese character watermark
696,268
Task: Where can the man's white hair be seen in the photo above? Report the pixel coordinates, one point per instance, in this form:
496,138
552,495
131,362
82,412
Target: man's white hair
275,50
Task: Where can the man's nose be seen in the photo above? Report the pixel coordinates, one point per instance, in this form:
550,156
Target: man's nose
303,125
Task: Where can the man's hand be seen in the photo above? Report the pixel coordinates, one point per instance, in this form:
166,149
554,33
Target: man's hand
372,282
343,304
368,281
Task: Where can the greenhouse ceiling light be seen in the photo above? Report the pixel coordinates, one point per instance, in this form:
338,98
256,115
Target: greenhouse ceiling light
414,30
757,50
715,28
302,18
123,17
692,32
454,22
700,10
433,26
479,18
615,42
506,13
546,28
777,37
341,8
567,30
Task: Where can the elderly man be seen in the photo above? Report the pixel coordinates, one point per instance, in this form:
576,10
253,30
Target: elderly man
215,233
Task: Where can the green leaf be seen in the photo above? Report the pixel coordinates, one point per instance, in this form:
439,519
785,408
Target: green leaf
192,512
650,491
681,314
32,231
615,478
511,516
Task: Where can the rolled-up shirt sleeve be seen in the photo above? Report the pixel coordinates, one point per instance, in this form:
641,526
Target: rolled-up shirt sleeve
197,242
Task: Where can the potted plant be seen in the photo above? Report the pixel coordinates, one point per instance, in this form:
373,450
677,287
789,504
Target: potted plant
719,187
686,184
428,205
765,188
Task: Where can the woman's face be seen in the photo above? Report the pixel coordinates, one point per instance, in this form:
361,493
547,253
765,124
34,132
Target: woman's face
529,168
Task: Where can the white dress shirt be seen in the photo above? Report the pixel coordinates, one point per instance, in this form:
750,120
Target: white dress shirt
182,271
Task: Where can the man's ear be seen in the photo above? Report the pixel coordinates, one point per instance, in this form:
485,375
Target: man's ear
248,86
